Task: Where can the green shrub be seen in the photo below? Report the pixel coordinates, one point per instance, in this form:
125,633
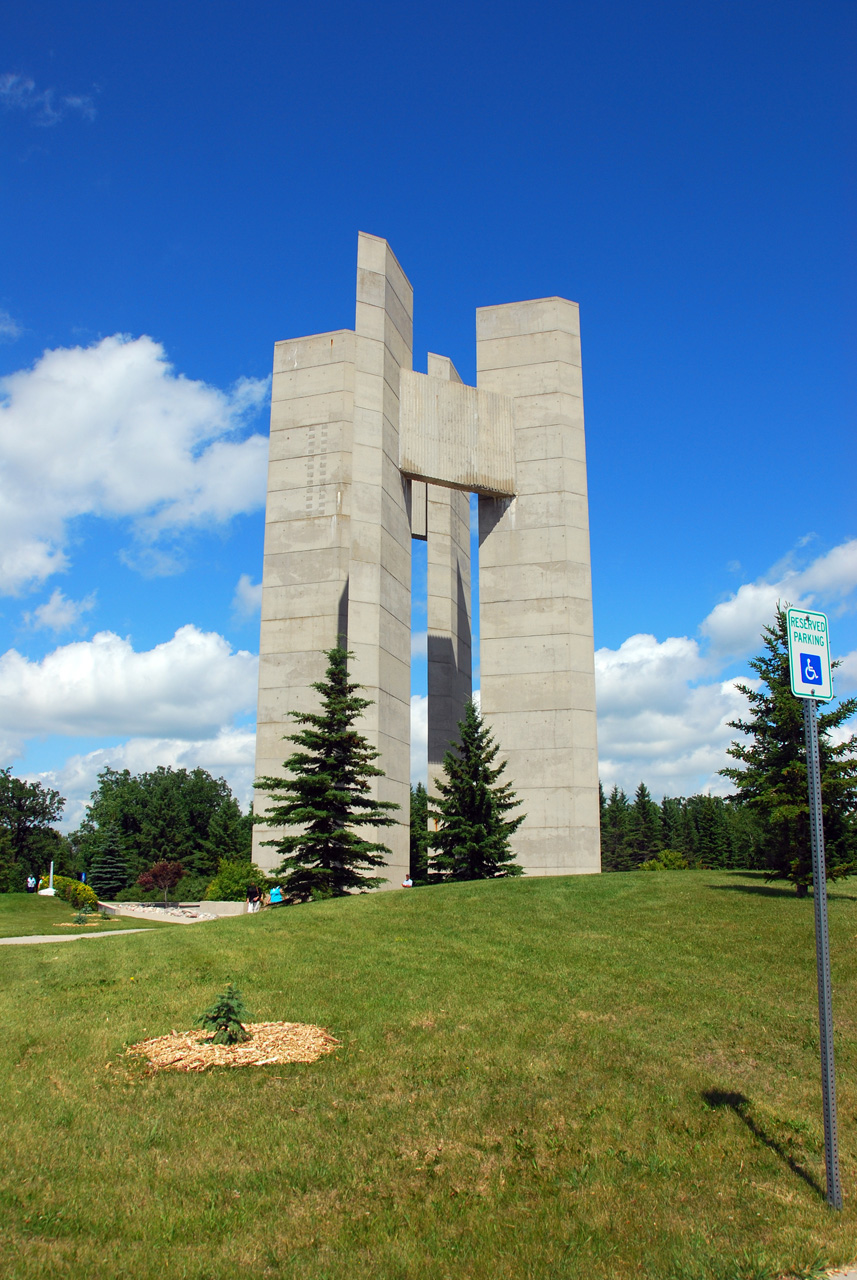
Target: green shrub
73,891
230,883
667,860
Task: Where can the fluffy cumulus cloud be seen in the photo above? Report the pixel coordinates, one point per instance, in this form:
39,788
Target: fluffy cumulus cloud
733,627
189,687
44,107
59,613
664,706
111,430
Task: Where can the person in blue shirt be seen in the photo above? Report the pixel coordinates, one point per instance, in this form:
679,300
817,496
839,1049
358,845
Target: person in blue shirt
276,896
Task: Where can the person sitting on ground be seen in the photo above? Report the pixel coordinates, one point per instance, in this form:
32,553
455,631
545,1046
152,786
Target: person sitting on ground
407,883
276,896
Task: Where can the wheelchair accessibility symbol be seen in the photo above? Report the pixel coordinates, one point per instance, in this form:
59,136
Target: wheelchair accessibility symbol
810,668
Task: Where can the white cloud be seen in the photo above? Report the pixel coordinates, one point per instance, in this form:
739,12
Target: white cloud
59,613
9,328
229,754
111,430
247,600
46,107
664,705
845,676
190,686
419,646
734,626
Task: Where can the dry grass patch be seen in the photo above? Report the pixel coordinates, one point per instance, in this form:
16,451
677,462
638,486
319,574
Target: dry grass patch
269,1043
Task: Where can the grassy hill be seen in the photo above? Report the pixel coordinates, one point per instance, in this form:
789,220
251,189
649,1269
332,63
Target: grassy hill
591,1077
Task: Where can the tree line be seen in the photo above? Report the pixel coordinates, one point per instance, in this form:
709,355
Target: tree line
132,821
707,831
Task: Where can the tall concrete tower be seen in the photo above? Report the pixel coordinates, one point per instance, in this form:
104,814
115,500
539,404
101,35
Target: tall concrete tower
365,455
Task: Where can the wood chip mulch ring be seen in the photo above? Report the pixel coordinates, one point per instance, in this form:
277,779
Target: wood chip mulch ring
270,1042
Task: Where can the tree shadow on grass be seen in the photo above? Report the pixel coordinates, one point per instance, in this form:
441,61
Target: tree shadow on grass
778,891
740,1106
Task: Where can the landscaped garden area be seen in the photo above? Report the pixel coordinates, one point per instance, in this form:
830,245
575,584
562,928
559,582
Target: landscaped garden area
592,1077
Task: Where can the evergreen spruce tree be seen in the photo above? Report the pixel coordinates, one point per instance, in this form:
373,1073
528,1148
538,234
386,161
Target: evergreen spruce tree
644,827
615,854
473,832
419,868
771,776
671,826
327,794
109,872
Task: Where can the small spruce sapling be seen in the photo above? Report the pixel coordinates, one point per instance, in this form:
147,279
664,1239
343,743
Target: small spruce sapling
225,1016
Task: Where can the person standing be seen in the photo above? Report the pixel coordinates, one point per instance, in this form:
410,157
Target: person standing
254,898
31,884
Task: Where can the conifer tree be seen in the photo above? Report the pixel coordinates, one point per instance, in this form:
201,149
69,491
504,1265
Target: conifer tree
615,854
644,826
109,872
419,869
327,794
472,839
771,777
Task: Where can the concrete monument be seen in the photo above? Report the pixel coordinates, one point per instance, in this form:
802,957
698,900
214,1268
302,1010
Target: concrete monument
365,455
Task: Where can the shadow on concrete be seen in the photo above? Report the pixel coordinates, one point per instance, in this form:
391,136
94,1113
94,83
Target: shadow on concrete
739,1105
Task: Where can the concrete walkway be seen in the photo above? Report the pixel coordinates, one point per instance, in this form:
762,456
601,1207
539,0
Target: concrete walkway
67,937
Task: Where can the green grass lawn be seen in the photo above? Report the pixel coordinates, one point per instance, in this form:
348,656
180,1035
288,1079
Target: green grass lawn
594,1077
25,914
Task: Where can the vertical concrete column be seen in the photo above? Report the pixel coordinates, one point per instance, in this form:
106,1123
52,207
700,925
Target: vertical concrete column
448,606
536,639
379,601
307,540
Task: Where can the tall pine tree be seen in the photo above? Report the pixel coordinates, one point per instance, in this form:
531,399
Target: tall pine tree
615,853
472,839
328,794
108,871
771,777
419,869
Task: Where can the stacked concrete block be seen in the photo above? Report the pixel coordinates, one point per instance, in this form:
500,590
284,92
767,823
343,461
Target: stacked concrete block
536,639
448,606
379,593
307,539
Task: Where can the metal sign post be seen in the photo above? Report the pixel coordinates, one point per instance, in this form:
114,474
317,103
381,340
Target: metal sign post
809,664
822,956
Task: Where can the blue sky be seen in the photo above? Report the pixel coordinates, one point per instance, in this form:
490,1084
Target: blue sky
182,185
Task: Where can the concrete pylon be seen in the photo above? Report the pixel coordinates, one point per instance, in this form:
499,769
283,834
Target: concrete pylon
537,668
448,607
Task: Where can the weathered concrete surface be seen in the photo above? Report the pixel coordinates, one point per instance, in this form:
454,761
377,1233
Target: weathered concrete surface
307,540
448,606
455,435
535,596
379,592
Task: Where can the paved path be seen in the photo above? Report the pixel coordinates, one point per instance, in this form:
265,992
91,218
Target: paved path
66,937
